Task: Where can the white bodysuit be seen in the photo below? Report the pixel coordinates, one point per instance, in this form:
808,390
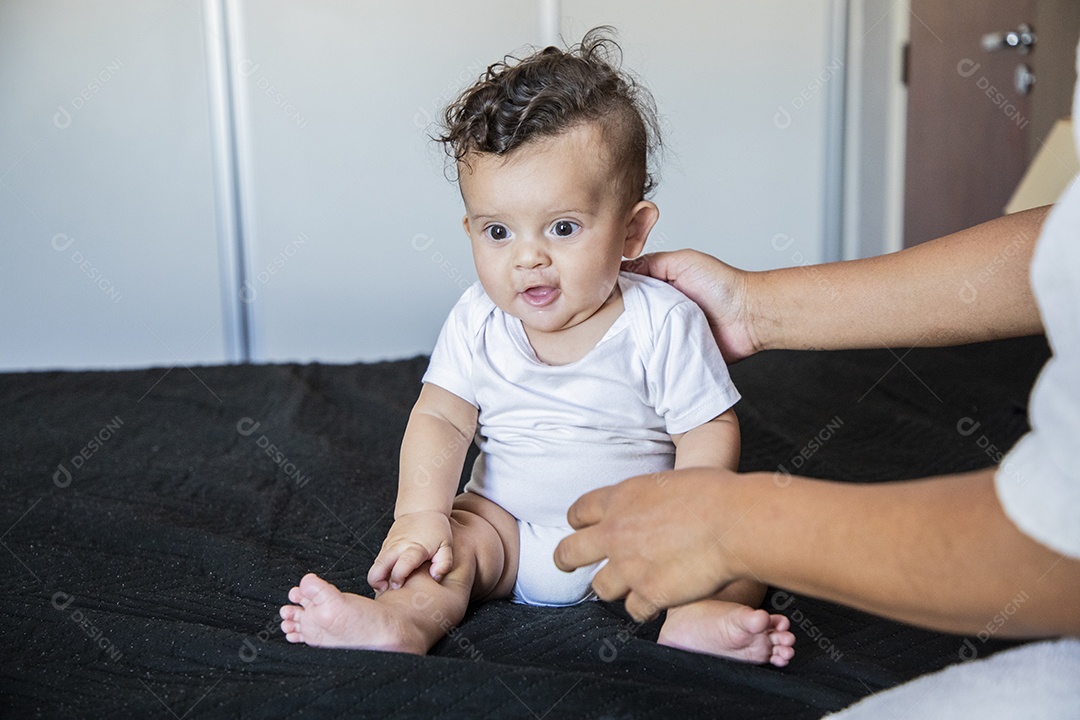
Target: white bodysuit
550,433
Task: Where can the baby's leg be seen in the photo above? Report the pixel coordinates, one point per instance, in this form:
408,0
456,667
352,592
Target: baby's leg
413,617
728,625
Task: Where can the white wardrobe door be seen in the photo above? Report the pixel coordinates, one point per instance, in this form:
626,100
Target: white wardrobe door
106,195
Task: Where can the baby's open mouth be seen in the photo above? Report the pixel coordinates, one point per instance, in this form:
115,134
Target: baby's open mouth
540,295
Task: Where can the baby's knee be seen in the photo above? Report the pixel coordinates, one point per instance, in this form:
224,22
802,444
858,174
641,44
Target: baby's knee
473,533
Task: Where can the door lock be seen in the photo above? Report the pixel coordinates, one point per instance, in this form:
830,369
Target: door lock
1022,39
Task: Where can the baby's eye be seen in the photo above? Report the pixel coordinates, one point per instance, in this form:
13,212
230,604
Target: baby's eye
497,232
564,228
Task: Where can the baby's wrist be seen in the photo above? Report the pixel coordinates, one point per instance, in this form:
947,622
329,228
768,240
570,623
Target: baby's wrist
416,512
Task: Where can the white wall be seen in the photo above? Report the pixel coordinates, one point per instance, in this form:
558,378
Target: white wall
739,171
356,249
359,251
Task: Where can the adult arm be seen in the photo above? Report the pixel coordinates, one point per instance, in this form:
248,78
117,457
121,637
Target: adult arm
940,552
966,287
716,445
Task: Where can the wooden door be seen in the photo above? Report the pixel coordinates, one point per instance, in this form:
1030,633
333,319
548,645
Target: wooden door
970,131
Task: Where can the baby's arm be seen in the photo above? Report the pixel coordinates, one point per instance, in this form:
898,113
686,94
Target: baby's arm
437,437
716,444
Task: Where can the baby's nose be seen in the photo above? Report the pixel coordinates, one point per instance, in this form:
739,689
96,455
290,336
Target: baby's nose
530,254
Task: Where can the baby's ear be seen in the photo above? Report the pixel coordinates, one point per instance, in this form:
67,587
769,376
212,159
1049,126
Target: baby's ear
465,224
643,217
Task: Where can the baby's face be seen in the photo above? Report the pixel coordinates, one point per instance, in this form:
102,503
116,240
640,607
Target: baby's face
548,231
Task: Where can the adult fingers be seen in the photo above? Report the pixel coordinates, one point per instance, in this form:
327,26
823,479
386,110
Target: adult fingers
640,608
608,586
651,264
590,508
578,550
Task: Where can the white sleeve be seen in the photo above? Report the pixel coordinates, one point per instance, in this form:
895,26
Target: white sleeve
1038,482
687,378
452,359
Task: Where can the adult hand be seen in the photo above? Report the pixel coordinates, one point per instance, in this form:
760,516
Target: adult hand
662,536
717,288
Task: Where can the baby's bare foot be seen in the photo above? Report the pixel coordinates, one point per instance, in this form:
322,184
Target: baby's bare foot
326,617
729,630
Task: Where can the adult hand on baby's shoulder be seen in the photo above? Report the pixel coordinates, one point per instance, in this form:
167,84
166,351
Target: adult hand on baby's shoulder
659,534
414,539
718,288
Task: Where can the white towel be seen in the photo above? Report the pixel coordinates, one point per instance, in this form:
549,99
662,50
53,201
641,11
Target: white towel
1038,681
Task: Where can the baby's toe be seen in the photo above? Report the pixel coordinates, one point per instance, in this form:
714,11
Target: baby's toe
781,655
780,622
782,638
296,595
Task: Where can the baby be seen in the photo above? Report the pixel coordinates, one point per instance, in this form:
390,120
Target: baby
571,374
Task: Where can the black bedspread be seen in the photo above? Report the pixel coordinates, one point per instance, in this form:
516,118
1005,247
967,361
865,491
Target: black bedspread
152,522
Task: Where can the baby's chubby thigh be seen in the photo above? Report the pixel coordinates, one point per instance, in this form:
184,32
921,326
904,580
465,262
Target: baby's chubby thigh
488,533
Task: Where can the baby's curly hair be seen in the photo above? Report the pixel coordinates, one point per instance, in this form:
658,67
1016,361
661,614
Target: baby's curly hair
518,101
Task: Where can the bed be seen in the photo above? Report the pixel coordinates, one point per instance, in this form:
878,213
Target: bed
153,520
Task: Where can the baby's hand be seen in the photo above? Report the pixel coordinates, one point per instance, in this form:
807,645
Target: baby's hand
413,539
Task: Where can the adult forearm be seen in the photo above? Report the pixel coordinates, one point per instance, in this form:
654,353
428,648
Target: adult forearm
939,553
966,287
